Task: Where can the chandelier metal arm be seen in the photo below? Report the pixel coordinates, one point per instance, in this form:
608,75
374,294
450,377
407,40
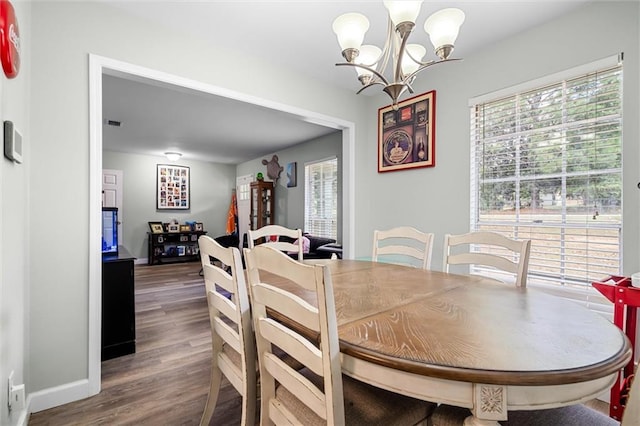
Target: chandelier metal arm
366,86
425,65
388,45
379,75
404,37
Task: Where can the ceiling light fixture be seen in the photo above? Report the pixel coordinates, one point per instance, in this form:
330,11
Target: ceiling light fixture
172,155
443,27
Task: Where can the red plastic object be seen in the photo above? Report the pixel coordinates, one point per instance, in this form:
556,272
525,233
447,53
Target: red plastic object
9,40
626,300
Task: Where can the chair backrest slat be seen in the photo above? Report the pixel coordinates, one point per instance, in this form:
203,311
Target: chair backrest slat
403,241
289,305
267,231
292,344
230,336
509,255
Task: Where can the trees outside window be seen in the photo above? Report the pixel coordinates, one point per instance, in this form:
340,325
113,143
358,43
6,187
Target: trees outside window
548,167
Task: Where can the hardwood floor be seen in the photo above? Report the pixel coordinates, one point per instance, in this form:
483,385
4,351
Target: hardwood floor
166,381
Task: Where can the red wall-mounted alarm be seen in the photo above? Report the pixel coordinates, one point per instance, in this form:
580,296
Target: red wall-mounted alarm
9,40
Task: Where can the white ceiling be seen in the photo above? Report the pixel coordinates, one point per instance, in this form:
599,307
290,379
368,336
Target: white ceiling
156,119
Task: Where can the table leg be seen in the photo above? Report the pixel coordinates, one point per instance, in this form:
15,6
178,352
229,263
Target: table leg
489,405
474,421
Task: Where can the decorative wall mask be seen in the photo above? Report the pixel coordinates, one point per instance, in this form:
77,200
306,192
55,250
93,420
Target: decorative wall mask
273,168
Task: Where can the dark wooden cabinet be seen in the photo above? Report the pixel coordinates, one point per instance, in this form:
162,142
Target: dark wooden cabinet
118,305
168,247
262,204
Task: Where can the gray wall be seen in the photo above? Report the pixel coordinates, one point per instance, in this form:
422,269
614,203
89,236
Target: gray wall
14,228
290,201
56,205
211,186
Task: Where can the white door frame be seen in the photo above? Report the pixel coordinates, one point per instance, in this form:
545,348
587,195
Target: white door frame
99,65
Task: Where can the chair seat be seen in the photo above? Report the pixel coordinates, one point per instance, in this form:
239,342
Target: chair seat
363,405
573,415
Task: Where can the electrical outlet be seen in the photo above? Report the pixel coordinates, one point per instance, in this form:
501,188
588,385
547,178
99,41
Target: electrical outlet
15,395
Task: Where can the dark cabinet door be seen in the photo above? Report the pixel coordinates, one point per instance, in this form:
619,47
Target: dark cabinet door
118,308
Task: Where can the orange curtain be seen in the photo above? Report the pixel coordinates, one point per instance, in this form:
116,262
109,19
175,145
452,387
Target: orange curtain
232,216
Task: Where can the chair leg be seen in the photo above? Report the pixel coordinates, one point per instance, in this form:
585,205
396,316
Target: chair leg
249,403
212,399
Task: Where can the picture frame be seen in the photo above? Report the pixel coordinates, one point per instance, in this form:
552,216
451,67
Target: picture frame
172,227
180,250
185,228
292,175
156,227
199,227
406,134
173,187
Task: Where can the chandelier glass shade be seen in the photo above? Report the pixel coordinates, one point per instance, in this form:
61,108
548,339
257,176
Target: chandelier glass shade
406,59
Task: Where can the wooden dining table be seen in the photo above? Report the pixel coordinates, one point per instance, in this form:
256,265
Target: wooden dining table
469,341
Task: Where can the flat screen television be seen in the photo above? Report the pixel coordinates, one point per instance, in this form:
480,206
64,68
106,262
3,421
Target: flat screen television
109,231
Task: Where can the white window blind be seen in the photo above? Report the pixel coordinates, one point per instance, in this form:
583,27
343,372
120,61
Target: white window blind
547,166
321,198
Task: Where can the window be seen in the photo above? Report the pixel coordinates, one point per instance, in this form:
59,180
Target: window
243,192
321,198
547,166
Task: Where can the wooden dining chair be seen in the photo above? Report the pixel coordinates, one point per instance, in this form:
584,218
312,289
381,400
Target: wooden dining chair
232,340
504,253
317,394
280,231
405,245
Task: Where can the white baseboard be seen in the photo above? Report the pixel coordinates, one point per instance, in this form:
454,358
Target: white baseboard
143,261
59,395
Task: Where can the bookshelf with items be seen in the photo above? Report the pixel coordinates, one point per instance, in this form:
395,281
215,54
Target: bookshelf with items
168,243
262,204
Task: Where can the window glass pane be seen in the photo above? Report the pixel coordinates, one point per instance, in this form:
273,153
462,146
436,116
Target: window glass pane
321,198
548,167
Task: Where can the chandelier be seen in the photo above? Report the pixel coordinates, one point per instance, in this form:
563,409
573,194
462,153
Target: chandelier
371,62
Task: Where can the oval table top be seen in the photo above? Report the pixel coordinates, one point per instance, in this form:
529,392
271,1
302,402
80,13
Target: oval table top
469,328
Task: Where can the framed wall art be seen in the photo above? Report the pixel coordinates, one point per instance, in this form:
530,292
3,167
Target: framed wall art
292,175
406,134
172,187
156,227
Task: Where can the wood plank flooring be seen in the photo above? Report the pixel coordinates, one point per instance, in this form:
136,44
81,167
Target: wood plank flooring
166,381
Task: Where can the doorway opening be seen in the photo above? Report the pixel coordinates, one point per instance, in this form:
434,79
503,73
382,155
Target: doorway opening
98,66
